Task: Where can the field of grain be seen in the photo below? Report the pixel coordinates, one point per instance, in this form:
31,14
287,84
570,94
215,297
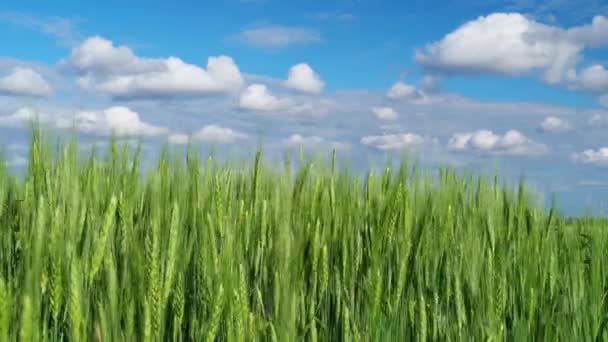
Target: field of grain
92,251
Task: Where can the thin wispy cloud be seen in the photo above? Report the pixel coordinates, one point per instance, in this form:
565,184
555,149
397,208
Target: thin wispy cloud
336,16
64,30
277,36
579,9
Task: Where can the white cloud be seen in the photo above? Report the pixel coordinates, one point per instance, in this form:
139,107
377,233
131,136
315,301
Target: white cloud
63,29
119,72
313,106
313,142
297,140
385,113
24,82
333,16
257,97
555,124
23,116
512,142
595,157
395,141
218,135
303,78
594,78
118,119
99,55
400,90
276,36
178,139
595,34
221,76
504,43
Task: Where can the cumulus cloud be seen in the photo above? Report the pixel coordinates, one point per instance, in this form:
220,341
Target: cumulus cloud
303,78
218,135
221,76
119,120
99,55
511,44
555,124
385,113
595,157
119,72
23,116
395,141
400,90
593,78
276,36
257,97
595,34
178,138
512,142
314,106
24,82
313,142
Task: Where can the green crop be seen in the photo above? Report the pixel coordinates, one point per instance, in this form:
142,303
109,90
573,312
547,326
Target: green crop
92,250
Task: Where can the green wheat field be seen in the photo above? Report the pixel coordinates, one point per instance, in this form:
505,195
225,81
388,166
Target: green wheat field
195,250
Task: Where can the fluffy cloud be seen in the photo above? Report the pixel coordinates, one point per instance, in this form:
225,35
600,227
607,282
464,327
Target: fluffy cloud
593,78
221,76
23,116
178,139
24,82
301,77
507,43
274,36
599,157
218,135
512,142
314,106
257,97
395,141
555,124
385,113
119,120
99,55
595,34
119,72
401,90
212,134
313,142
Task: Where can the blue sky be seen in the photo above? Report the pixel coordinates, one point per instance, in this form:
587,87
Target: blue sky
520,86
